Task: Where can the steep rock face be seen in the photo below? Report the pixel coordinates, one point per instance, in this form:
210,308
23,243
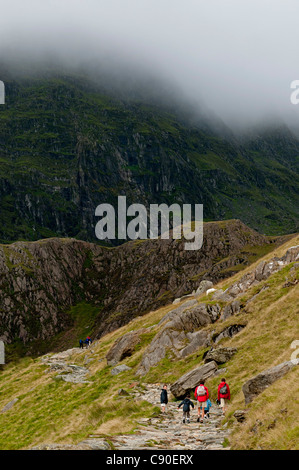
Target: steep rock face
40,281
67,146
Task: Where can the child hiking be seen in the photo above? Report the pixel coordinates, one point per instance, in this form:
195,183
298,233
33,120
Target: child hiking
186,408
223,394
201,395
207,408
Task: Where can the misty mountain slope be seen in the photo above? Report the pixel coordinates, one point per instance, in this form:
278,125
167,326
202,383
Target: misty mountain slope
66,146
44,408
63,286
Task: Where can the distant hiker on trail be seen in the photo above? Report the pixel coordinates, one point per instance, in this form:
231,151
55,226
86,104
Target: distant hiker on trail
164,398
223,394
88,341
201,395
81,343
207,408
186,408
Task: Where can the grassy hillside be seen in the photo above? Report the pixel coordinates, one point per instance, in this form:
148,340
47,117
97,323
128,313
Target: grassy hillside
50,410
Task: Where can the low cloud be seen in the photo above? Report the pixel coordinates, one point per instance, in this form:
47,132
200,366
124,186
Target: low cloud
239,58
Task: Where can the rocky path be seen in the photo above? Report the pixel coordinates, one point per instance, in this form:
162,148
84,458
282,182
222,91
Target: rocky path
164,432
169,433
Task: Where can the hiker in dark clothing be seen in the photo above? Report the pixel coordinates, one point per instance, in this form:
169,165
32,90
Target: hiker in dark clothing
186,408
81,343
164,398
88,341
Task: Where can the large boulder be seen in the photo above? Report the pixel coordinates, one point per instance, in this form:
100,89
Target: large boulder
203,287
260,382
199,339
220,355
291,255
178,310
175,334
124,347
189,381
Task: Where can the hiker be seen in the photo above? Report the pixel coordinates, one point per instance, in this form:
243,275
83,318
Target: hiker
223,394
201,395
207,408
186,408
164,398
88,341
81,343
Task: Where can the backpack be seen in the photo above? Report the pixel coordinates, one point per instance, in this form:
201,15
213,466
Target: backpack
223,390
201,391
186,405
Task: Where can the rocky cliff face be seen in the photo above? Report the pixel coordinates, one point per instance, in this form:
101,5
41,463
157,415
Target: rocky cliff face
40,281
66,147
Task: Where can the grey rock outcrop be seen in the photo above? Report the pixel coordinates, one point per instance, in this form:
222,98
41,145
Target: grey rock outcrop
41,281
175,334
220,355
199,339
228,332
124,347
230,309
203,287
260,382
121,368
178,310
191,379
262,272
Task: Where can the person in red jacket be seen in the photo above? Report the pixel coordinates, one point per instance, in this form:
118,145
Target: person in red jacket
223,394
201,395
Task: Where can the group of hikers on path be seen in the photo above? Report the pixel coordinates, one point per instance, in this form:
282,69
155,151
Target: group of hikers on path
87,342
201,395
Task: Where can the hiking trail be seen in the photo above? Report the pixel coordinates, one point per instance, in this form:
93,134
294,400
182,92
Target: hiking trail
168,431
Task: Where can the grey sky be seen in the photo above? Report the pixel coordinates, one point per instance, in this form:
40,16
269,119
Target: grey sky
239,56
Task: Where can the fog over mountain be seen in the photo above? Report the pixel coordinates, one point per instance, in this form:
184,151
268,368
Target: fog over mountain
235,58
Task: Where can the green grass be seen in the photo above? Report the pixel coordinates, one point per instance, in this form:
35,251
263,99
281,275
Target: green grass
49,410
